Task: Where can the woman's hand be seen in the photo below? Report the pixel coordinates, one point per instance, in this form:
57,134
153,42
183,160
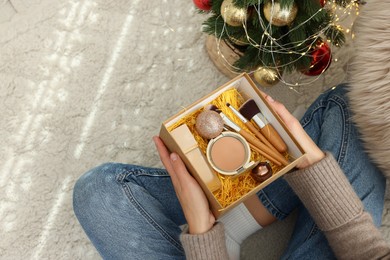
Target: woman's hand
313,153
190,194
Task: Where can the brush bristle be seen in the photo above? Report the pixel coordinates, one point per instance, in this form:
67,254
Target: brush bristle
249,109
212,108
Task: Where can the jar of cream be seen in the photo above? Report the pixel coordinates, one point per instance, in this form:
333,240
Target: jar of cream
229,154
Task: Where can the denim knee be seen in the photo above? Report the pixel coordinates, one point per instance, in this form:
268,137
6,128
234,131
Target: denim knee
328,122
338,91
91,185
116,208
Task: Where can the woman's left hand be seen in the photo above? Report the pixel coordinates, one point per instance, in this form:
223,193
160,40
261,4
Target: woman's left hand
191,196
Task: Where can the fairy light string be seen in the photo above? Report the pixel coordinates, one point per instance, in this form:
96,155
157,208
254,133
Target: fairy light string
272,45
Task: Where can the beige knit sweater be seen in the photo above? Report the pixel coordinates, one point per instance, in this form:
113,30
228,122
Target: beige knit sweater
333,204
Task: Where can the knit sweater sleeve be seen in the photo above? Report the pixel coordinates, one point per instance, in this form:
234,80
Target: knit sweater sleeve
210,245
338,211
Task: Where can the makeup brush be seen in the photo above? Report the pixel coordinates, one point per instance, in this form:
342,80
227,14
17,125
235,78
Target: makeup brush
266,151
250,110
269,157
251,127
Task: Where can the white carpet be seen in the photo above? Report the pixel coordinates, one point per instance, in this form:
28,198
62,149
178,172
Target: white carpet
86,82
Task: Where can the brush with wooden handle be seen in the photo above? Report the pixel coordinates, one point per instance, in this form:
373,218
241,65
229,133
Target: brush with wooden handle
265,155
267,152
256,142
250,111
252,128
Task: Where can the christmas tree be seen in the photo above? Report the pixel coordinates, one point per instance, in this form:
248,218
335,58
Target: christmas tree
276,36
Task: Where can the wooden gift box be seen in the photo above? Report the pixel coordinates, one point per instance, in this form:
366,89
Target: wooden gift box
247,88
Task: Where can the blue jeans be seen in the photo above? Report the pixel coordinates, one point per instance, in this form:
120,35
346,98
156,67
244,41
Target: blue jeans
131,212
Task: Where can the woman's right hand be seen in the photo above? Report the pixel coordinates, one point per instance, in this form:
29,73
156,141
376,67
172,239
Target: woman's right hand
313,152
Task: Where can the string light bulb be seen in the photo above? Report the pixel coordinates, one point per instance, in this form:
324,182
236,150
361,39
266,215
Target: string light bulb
271,45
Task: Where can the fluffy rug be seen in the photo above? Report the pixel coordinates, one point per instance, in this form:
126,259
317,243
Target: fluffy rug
369,77
90,81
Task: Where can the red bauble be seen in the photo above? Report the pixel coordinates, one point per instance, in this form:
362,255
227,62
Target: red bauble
321,58
322,3
203,4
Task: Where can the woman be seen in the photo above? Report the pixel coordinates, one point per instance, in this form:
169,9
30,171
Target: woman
132,212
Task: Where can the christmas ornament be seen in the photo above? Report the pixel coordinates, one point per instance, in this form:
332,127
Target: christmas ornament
209,124
232,15
203,4
266,77
321,58
283,42
278,16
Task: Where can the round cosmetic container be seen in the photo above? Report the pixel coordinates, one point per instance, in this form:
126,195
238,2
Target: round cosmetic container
229,154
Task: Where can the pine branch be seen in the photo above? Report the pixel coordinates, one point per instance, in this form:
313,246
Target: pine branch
342,3
335,36
286,4
247,3
249,59
284,47
216,6
213,25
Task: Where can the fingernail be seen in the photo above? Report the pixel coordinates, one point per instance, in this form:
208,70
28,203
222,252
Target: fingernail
173,157
270,99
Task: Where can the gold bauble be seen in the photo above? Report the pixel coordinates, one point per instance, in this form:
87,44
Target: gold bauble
279,16
266,77
232,15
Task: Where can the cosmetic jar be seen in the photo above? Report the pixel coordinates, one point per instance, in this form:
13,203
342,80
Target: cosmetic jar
229,154
262,171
